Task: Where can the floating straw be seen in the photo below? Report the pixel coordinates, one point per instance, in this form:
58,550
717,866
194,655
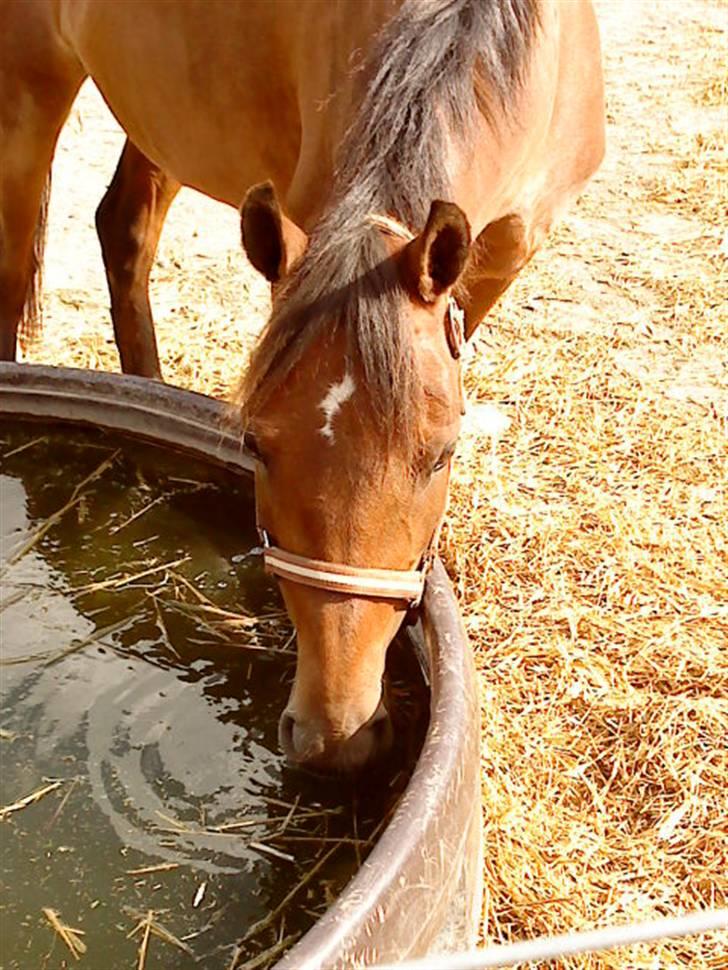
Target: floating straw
265,957
266,921
159,867
44,527
30,799
70,936
155,929
143,946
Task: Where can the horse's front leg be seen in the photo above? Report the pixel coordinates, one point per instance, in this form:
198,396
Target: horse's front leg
129,221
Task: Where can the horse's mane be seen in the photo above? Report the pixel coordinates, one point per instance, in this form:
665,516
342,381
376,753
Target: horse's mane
436,68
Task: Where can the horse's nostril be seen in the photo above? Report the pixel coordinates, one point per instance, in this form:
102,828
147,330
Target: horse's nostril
309,744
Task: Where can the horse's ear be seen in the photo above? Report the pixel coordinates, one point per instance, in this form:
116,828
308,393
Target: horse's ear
434,260
272,241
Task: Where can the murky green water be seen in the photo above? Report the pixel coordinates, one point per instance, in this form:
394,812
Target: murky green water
145,659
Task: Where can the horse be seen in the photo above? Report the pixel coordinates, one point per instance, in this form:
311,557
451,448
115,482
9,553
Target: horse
396,164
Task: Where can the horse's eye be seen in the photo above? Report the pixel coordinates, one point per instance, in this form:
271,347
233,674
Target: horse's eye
444,458
251,446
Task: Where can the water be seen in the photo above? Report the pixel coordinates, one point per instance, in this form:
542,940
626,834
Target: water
145,661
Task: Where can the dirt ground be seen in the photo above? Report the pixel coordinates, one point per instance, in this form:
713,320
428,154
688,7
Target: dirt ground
587,534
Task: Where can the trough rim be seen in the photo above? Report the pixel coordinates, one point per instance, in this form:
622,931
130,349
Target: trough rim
353,931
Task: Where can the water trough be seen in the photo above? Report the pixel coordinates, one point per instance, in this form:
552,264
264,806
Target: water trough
419,889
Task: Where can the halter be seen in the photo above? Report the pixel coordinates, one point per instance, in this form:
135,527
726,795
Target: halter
400,585
404,585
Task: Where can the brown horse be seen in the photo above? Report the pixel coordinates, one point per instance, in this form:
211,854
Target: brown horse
358,116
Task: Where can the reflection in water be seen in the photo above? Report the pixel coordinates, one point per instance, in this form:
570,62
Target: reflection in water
145,660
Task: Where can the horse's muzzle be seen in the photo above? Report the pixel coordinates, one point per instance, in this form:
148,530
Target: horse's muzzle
309,744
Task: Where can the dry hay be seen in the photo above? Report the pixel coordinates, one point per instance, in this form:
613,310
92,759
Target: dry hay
586,540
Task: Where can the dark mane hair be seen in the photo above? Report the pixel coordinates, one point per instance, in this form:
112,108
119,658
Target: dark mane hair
437,67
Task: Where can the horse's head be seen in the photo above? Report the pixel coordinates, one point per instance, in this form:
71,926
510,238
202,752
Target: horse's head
351,409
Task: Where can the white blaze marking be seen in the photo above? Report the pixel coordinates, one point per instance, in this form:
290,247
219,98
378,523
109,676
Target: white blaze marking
337,395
